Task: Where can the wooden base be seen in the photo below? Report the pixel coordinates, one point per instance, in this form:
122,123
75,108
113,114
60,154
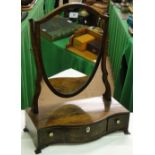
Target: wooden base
75,122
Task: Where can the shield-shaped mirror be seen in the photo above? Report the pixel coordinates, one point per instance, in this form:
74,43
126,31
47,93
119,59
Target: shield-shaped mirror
70,47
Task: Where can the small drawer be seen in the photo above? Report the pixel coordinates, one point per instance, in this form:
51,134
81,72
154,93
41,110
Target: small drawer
118,122
51,135
72,134
85,133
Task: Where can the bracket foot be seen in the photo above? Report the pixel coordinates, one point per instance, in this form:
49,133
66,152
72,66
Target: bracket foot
38,150
25,130
126,132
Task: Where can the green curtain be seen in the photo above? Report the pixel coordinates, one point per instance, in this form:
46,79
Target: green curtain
120,50
49,5
28,69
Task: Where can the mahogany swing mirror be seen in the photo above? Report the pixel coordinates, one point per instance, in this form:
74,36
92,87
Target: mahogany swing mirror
72,101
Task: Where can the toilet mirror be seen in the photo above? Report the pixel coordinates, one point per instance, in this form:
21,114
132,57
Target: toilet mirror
70,41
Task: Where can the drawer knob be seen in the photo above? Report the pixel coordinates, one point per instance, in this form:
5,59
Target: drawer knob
118,122
51,134
87,129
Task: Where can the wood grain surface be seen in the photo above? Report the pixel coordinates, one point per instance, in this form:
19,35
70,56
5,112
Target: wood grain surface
79,112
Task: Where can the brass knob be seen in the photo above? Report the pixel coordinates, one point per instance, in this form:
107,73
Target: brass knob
51,134
118,122
87,129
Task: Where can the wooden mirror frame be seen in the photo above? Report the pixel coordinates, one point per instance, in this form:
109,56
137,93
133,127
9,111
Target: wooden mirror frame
41,74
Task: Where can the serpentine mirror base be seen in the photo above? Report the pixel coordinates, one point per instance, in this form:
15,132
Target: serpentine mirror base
77,121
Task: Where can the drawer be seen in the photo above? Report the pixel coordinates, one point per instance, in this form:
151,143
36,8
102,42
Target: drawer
50,135
85,133
72,134
118,122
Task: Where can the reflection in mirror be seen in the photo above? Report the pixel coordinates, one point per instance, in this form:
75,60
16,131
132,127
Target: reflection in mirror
70,44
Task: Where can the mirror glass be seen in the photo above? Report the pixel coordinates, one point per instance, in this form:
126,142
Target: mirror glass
70,45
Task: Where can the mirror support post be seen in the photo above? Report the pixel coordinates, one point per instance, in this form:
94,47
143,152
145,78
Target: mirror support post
39,75
107,94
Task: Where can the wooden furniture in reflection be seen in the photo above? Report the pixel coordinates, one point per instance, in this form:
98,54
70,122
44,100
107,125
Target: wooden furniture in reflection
68,84
99,5
27,4
83,53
